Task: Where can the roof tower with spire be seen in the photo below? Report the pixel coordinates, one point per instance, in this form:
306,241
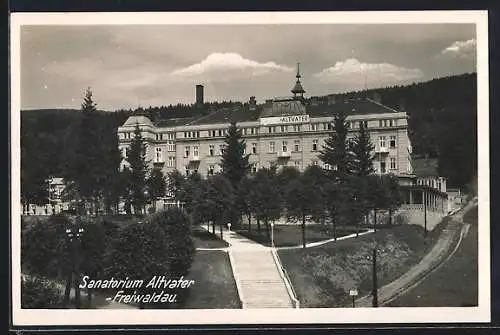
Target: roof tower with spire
298,89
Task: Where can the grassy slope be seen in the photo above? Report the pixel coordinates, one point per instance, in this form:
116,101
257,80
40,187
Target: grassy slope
290,235
322,276
214,282
205,239
455,284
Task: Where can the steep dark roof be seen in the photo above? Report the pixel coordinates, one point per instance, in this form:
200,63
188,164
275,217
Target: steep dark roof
175,121
229,114
351,107
280,107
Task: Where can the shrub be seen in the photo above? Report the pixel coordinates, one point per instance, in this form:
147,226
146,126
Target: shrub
176,225
43,247
40,293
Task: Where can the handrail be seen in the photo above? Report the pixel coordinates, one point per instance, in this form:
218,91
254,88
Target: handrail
284,275
236,279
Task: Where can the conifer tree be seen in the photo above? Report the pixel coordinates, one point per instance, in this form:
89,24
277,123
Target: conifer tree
86,165
336,152
362,151
139,171
234,161
156,185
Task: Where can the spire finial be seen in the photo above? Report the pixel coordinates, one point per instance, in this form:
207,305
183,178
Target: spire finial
298,70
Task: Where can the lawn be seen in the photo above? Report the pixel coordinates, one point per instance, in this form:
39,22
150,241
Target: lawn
214,282
291,234
204,239
455,284
322,276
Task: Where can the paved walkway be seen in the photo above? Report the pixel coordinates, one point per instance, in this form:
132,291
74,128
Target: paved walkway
440,253
259,279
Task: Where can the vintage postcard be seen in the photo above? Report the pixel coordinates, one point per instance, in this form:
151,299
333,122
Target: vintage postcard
249,168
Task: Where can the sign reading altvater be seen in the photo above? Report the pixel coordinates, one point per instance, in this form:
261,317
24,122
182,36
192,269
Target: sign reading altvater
285,119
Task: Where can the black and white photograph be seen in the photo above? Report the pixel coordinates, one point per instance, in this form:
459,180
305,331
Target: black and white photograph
250,168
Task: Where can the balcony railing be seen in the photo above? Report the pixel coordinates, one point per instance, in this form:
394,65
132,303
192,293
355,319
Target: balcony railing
284,154
382,150
194,158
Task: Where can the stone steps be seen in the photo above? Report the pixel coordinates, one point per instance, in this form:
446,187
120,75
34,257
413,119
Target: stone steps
260,280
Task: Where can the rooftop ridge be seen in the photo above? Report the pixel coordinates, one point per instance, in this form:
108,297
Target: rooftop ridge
204,116
382,105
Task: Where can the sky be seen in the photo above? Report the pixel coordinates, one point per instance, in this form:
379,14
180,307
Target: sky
127,66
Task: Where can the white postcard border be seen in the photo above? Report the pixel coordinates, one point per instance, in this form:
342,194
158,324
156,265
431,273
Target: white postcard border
258,316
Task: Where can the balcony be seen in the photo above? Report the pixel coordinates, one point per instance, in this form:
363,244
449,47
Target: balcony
382,150
158,163
194,158
283,154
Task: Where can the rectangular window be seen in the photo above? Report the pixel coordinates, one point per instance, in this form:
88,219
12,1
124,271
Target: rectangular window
220,132
211,169
271,147
381,141
254,167
391,123
380,123
296,146
252,131
171,161
158,155
211,149
221,149
187,171
366,124
171,146
186,152
314,126
385,123
315,145
244,148
392,142
393,163
329,126
284,146
195,151
382,167
254,148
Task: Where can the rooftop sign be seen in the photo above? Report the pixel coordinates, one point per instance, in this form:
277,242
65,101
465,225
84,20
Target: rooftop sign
304,118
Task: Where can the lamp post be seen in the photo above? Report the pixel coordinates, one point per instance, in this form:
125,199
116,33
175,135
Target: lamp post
374,278
353,293
229,233
272,234
74,233
425,212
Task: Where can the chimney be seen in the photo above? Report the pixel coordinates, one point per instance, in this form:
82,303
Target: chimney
331,99
252,103
199,95
314,101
